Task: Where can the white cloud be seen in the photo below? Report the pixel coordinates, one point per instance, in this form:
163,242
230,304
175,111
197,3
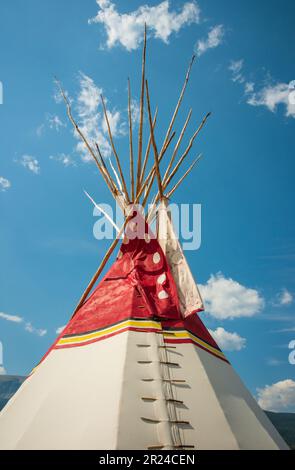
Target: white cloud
278,397
127,28
226,298
135,112
52,121
11,318
271,96
249,87
4,184
285,297
214,39
60,329
92,121
89,96
31,163
235,67
116,125
27,325
36,331
57,95
228,341
64,159
55,122
2,370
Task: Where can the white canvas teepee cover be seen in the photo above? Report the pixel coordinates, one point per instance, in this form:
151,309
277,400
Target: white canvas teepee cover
129,372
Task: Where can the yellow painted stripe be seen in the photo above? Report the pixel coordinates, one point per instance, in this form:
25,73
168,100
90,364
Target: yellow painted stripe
139,324
106,331
189,335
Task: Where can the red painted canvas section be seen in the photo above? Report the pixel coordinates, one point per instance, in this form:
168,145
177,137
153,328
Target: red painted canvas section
138,285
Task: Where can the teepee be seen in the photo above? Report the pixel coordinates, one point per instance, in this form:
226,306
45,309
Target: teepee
135,368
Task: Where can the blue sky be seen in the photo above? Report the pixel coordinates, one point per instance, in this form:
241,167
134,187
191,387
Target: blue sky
245,182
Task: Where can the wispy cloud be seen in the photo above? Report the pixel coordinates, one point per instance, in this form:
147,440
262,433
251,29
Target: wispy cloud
226,298
52,121
27,325
228,341
11,318
270,95
60,329
278,317
91,119
285,297
286,330
40,130
214,39
235,67
5,184
279,396
30,163
55,122
116,124
135,112
36,331
127,28
57,96
64,159
88,97
249,87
